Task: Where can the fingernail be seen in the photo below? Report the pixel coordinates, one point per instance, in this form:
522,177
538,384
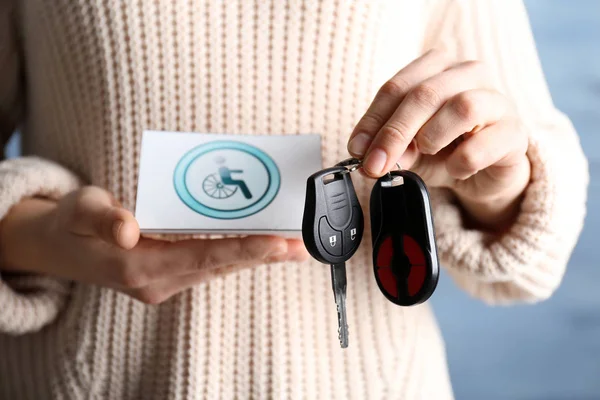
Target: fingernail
116,229
359,144
276,257
375,161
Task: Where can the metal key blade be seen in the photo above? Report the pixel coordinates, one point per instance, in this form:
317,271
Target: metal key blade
338,280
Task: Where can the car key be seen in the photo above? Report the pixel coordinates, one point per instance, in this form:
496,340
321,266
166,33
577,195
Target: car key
332,229
405,261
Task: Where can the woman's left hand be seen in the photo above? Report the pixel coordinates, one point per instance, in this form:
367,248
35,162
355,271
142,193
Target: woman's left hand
446,122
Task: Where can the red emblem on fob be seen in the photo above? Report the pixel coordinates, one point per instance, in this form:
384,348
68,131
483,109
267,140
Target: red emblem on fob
401,274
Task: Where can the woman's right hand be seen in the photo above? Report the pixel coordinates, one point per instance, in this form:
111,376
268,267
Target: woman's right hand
88,237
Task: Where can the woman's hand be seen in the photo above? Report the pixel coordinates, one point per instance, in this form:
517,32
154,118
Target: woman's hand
88,237
446,122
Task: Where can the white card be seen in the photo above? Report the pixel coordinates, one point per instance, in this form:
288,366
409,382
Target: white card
229,184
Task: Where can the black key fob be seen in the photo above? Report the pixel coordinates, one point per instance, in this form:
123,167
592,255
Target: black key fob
405,259
332,224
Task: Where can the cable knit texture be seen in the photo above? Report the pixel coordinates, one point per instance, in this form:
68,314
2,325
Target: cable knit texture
84,78
20,178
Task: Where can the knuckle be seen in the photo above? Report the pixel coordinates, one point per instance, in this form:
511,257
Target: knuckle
150,296
244,252
128,276
470,161
87,190
426,144
425,95
465,106
80,205
372,119
475,65
395,133
395,88
439,51
444,56
163,265
207,260
480,69
86,193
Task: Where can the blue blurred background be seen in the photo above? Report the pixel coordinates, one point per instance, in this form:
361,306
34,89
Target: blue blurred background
549,351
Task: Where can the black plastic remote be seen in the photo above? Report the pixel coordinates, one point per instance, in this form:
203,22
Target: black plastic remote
332,225
405,259
332,229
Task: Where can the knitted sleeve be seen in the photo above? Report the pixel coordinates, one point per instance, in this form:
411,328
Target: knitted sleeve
27,303
527,263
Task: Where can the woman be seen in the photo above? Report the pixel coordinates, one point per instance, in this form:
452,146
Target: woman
90,310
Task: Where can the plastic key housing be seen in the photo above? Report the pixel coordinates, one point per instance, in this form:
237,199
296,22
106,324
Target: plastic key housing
405,261
333,222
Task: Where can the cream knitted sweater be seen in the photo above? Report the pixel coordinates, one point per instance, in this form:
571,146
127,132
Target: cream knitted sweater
83,78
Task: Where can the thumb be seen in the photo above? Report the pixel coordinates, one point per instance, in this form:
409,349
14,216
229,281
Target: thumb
94,212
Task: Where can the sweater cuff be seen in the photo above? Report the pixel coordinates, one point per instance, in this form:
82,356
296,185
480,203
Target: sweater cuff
527,262
28,303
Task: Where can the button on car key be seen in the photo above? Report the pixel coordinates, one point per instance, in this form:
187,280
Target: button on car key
405,259
332,225
332,228
331,239
353,233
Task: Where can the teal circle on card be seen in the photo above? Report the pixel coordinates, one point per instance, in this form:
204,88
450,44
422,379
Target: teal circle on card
226,179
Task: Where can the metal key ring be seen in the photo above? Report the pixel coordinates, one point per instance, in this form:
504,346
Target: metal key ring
351,164
389,174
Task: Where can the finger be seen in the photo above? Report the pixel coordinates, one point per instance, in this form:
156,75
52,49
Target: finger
500,145
391,94
469,111
297,251
213,254
126,230
94,213
152,260
163,289
419,105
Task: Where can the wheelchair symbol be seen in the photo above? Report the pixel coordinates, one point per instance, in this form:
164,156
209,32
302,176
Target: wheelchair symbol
226,179
221,185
